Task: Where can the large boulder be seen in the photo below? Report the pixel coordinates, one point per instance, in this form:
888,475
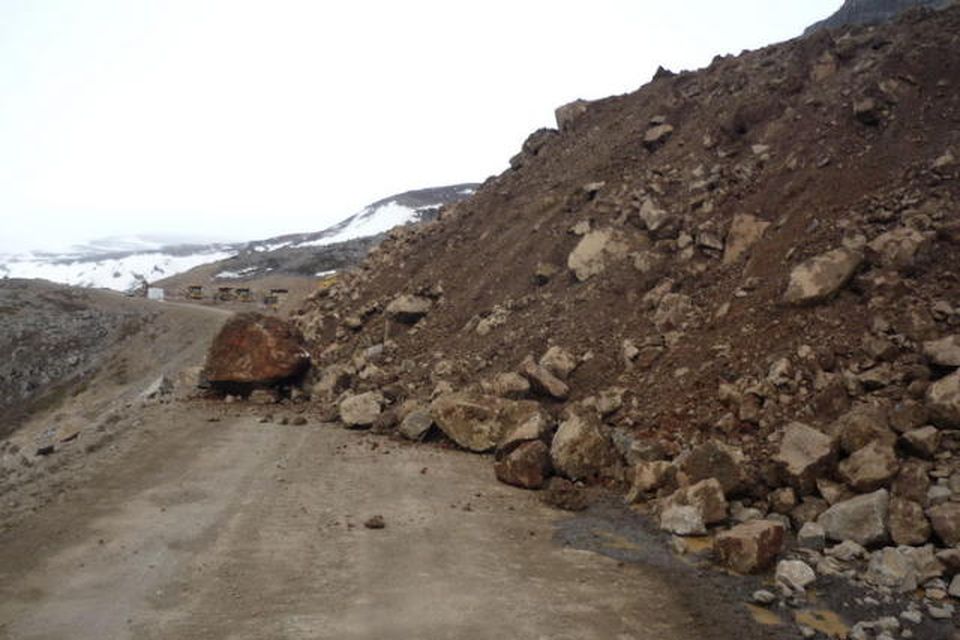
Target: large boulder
861,426
255,350
595,251
908,524
821,277
750,547
568,113
581,448
408,309
862,519
805,454
943,401
478,422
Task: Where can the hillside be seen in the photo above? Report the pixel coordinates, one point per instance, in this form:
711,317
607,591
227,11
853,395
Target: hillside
865,12
123,264
710,278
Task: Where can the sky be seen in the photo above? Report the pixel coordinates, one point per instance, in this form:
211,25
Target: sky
243,119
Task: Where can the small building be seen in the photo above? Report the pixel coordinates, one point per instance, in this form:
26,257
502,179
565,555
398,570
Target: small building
195,292
155,293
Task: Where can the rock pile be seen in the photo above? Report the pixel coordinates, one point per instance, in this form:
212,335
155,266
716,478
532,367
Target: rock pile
732,294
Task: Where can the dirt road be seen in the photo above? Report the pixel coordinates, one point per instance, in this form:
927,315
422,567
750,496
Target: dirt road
237,529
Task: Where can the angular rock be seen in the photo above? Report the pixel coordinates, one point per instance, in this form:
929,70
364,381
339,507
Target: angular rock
477,422
559,362
651,476
862,519
794,575
253,349
416,425
922,442
581,448
683,520
750,547
896,249
913,481
706,496
610,400
527,465
745,231
595,251
944,352
714,459
812,536
568,113
535,427
821,277
893,569
945,519
943,401
510,385
861,426
867,112
563,494
908,524
409,309
804,455
869,468
361,410
653,217
542,381
657,136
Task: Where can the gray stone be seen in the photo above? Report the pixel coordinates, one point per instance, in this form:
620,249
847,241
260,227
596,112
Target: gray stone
804,455
795,575
869,468
361,410
862,519
821,277
543,381
408,308
944,352
706,496
945,519
559,362
908,524
922,442
745,231
526,466
943,401
416,425
595,251
812,536
892,568
683,520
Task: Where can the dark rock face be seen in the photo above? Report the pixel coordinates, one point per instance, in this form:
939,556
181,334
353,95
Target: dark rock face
857,12
254,350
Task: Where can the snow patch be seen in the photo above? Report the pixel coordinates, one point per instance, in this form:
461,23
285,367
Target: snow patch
368,222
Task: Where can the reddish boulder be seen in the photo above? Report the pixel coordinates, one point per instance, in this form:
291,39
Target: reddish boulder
527,466
255,350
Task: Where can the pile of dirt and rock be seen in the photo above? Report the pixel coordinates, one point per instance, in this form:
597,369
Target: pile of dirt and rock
733,294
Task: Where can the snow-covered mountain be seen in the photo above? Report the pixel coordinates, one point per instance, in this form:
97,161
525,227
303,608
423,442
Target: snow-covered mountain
124,263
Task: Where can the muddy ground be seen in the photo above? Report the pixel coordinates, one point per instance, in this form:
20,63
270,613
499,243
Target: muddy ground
191,528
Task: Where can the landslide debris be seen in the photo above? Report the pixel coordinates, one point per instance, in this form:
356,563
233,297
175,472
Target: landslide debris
752,273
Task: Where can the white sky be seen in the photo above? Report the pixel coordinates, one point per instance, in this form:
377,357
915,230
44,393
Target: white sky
241,119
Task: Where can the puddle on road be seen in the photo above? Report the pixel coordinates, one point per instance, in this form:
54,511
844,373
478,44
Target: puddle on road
826,622
764,616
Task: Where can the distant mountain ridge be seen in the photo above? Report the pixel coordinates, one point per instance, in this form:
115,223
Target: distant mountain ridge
123,263
862,12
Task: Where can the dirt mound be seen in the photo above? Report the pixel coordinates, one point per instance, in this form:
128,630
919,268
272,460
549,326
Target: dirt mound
802,148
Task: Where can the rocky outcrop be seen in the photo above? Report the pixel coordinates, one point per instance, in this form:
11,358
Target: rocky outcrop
857,12
256,350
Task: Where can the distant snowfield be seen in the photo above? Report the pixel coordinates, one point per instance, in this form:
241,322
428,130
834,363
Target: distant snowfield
120,274
369,222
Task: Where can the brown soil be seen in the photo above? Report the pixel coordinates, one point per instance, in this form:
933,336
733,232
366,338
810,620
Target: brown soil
821,177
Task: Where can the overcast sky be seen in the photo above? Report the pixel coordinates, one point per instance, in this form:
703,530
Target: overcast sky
241,119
